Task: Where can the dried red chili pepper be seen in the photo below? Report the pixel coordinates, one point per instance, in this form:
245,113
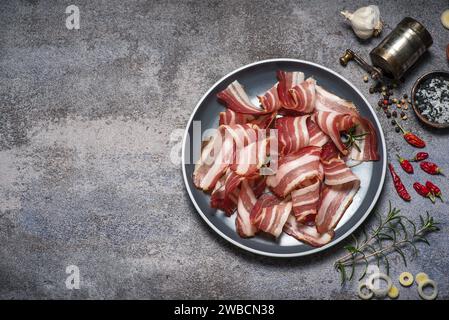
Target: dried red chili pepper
399,186
434,189
420,156
405,164
430,167
411,138
424,191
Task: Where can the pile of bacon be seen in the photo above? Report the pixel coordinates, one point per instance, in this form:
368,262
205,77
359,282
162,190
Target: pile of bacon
312,186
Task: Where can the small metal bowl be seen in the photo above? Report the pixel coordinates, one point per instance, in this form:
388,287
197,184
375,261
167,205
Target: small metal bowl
418,82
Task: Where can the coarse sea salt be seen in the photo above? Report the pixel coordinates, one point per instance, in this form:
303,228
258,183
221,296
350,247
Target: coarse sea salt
432,99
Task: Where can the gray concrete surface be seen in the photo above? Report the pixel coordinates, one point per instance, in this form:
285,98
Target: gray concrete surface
85,123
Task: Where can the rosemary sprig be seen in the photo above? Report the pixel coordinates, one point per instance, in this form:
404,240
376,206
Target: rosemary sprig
351,138
393,234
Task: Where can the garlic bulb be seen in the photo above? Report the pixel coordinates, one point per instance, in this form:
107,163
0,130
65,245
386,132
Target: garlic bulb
365,21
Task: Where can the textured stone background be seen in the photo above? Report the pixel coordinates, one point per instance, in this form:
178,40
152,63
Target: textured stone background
85,124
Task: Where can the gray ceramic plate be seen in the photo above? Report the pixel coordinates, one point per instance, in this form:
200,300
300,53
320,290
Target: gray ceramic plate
258,78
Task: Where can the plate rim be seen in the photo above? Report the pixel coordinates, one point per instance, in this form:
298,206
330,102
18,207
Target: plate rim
314,250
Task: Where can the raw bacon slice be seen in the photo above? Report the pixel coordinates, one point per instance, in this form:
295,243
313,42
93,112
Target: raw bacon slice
329,151
328,102
269,214
228,144
303,95
306,200
316,137
334,202
297,132
293,133
294,169
368,146
237,100
215,158
249,191
307,234
330,124
230,117
288,80
336,172
270,100
224,198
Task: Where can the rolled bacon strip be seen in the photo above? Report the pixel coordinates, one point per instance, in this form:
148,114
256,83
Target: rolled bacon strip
270,100
287,81
327,102
331,124
216,157
306,233
269,214
295,168
223,198
303,95
236,99
233,146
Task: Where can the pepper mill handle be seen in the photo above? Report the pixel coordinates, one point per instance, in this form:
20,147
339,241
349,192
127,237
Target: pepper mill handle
351,55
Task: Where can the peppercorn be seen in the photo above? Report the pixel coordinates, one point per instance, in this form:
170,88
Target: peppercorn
402,114
405,96
388,114
379,103
397,129
371,90
390,93
395,114
390,102
393,122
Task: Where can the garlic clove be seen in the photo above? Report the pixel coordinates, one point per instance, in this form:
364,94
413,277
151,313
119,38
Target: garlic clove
365,21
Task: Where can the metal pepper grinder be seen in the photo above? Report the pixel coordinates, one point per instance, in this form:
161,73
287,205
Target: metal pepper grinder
400,49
